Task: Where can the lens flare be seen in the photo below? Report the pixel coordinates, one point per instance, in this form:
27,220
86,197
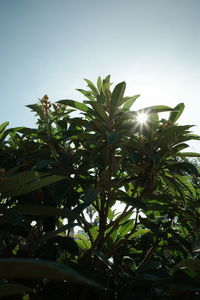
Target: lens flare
142,118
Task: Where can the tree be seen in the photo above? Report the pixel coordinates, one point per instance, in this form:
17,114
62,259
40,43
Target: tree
70,164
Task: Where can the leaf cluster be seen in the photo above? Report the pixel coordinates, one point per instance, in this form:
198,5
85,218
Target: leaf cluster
61,231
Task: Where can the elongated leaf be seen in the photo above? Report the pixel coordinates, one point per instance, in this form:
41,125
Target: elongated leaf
82,241
63,228
103,259
101,98
3,127
188,154
193,264
35,268
31,186
174,115
179,147
125,228
173,185
13,289
129,101
27,130
9,131
43,164
133,202
19,179
37,108
94,232
43,210
160,108
139,232
184,180
172,135
87,94
99,109
98,126
89,197
187,167
106,84
75,104
99,84
92,87
117,95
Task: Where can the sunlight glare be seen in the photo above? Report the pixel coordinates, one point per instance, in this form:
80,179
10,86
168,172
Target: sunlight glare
142,118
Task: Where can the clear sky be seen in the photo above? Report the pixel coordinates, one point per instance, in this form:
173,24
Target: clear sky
49,46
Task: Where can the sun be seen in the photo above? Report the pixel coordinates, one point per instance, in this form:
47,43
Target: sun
142,118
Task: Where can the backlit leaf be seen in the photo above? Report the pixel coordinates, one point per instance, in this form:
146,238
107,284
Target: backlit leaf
117,95
129,101
174,115
36,268
75,104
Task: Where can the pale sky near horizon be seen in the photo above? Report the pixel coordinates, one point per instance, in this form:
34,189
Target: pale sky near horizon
49,46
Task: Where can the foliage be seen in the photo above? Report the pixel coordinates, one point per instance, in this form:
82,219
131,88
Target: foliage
70,172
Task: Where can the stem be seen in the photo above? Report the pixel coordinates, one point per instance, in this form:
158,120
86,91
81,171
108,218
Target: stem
147,256
86,226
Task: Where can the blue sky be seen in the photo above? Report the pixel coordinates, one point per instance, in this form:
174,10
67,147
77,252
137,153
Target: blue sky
48,47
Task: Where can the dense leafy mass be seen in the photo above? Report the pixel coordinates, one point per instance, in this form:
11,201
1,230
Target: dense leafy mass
61,233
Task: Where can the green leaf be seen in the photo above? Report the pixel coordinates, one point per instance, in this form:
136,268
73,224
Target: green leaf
193,264
159,108
174,186
184,180
24,187
94,232
75,104
139,232
43,164
61,229
67,243
101,98
89,197
174,115
92,87
106,85
179,147
13,289
172,135
87,94
99,109
18,179
188,154
3,127
187,167
99,84
125,228
37,108
133,202
103,259
98,126
117,95
129,101
43,210
82,241
36,268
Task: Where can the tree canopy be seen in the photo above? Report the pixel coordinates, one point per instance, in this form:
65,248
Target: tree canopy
70,172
